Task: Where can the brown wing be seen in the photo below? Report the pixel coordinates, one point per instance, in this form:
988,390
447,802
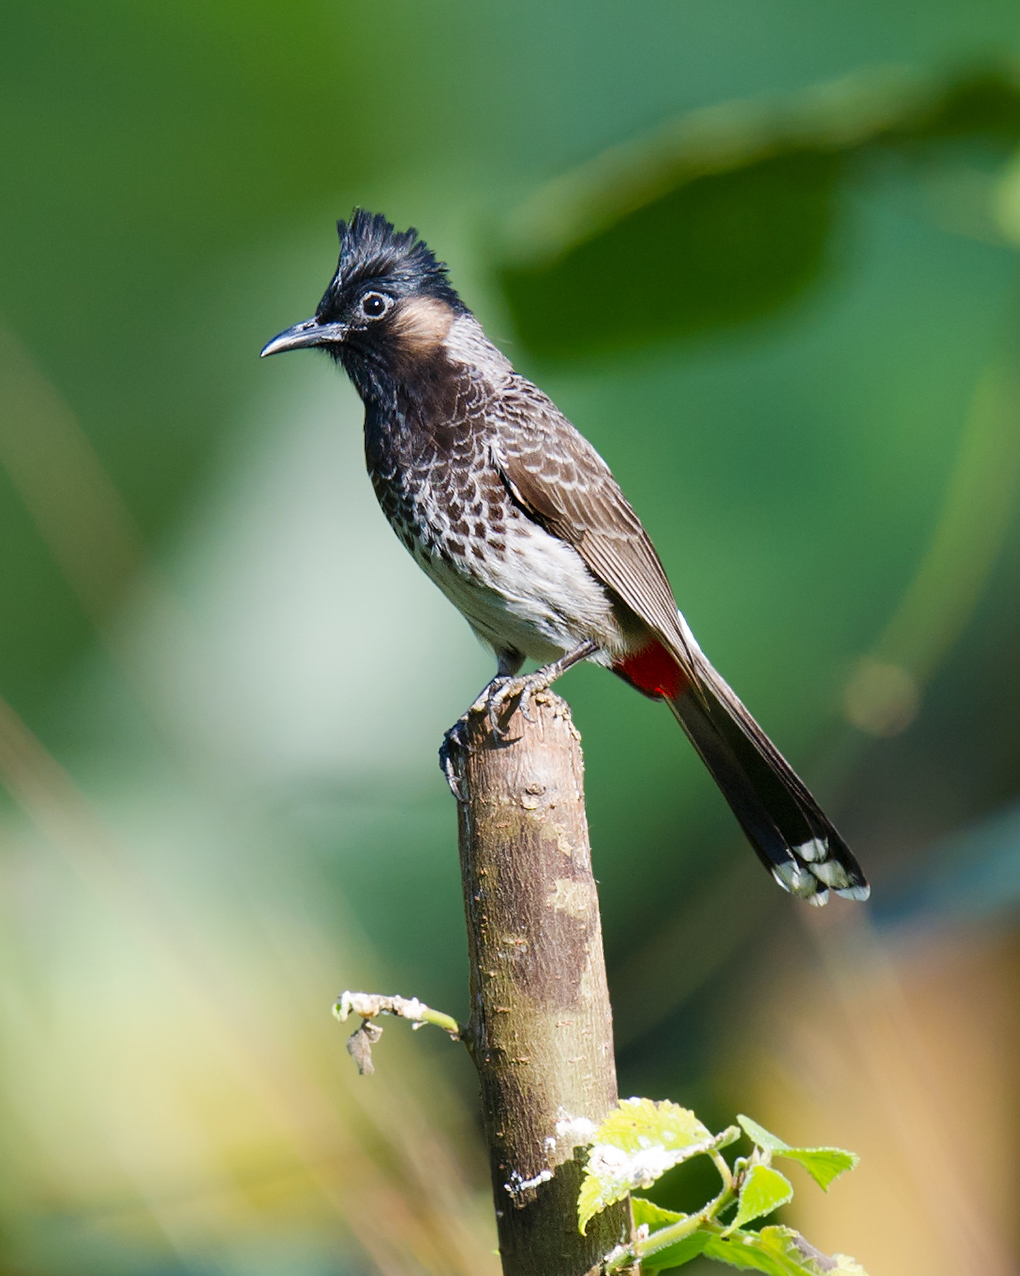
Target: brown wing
559,479
562,482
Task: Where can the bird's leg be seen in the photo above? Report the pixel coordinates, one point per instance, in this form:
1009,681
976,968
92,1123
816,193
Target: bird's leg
508,662
495,697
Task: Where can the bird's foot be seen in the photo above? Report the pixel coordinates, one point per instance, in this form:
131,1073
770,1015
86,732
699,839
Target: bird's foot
492,702
501,691
456,738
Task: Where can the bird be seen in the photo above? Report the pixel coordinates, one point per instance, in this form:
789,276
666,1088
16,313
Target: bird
509,509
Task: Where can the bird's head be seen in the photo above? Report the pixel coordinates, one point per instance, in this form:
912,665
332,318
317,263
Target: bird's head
388,304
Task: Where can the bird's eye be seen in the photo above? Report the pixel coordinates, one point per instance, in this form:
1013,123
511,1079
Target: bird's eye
374,305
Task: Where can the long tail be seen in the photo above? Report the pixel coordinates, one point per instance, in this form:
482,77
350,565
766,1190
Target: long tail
783,822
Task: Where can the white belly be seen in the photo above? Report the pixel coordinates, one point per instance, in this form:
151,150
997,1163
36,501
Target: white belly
537,596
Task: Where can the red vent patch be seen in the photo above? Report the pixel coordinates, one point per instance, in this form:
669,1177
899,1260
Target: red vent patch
654,671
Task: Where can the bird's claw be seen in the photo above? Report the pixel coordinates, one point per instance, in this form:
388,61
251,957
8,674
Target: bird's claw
495,700
523,690
491,702
452,741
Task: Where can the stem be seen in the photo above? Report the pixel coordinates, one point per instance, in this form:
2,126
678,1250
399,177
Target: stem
723,1168
446,1022
675,1232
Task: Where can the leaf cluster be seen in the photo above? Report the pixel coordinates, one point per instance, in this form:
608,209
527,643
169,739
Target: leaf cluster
639,1141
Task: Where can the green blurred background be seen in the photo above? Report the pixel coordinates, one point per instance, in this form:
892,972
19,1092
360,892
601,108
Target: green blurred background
764,255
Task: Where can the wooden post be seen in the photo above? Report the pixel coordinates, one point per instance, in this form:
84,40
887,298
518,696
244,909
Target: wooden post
540,1030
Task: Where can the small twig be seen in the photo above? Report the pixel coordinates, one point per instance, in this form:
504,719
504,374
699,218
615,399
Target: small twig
371,1004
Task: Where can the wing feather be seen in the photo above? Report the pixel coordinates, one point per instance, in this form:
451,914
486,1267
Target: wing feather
560,481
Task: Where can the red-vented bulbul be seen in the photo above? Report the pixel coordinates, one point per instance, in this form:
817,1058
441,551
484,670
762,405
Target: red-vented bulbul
519,522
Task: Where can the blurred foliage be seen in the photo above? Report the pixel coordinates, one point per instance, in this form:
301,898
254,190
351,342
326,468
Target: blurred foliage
723,216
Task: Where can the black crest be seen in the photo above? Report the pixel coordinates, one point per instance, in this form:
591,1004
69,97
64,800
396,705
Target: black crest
372,250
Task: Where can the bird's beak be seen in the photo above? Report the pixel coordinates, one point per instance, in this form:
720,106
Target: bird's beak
309,333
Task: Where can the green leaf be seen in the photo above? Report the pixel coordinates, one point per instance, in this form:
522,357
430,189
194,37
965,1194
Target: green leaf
777,1251
656,1219
676,1255
823,1164
745,1251
638,1123
761,1136
636,1144
764,1190
646,1211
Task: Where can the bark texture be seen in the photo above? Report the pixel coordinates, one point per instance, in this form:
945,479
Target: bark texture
540,1030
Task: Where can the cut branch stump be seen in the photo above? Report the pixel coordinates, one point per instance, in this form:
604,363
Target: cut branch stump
540,1031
